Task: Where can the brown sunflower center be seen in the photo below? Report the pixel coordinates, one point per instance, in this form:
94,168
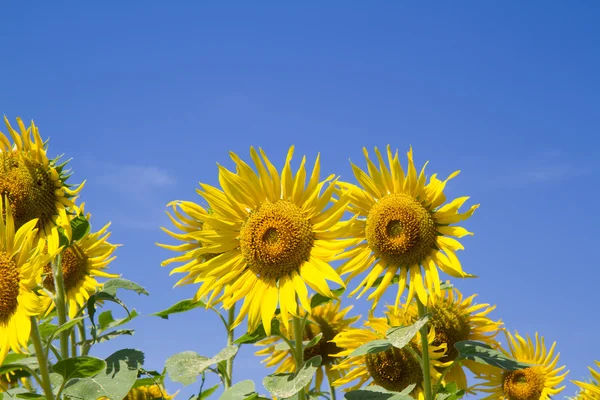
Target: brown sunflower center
394,369
74,269
525,384
9,287
400,230
451,326
324,347
29,187
276,239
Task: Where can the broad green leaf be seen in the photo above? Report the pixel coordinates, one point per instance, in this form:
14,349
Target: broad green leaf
402,335
19,364
449,392
46,329
182,306
29,395
240,391
12,358
205,393
78,367
287,385
259,334
80,227
91,307
306,344
379,393
13,393
318,299
187,366
375,346
114,382
118,322
66,326
112,285
483,354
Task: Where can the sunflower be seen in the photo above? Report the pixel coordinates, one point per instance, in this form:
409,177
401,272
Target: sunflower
327,319
539,382
82,262
393,369
454,319
21,262
272,235
147,392
36,186
404,227
590,390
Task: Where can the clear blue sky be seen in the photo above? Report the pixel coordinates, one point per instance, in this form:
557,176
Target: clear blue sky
148,96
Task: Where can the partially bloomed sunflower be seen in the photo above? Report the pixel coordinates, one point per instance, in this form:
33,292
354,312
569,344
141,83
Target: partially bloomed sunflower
405,226
327,319
541,381
21,261
590,390
454,319
270,236
82,262
147,392
36,186
393,369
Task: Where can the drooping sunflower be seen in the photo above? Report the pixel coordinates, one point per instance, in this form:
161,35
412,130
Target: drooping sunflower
327,319
405,227
82,262
21,261
454,319
541,381
272,235
393,369
590,390
36,186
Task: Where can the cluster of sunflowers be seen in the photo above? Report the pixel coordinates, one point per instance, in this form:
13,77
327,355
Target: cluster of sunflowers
267,246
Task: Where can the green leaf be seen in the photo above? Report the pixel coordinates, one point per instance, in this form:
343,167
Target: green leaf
64,327
79,227
378,281
318,299
78,367
259,334
114,382
379,393
187,366
240,391
306,344
19,364
449,392
287,385
108,336
179,307
483,354
46,329
29,395
112,285
402,335
118,322
446,286
208,392
91,307
375,346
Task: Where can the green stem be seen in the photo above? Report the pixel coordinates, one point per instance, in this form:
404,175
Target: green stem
73,344
42,361
61,308
298,337
85,348
425,353
230,321
331,388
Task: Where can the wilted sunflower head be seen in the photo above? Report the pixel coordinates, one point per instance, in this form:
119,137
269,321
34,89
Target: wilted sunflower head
272,236
393,369
327,320
82,262
35,186
21,261
405,227
540,381
590,390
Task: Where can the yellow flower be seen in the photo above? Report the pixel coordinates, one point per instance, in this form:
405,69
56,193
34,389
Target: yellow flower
590,390
455,319
539,382
12,380
272,235
393,369
405,228
82,262
36,186
147,392
21,263
327,319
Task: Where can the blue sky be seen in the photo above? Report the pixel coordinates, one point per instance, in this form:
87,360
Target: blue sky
147,97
